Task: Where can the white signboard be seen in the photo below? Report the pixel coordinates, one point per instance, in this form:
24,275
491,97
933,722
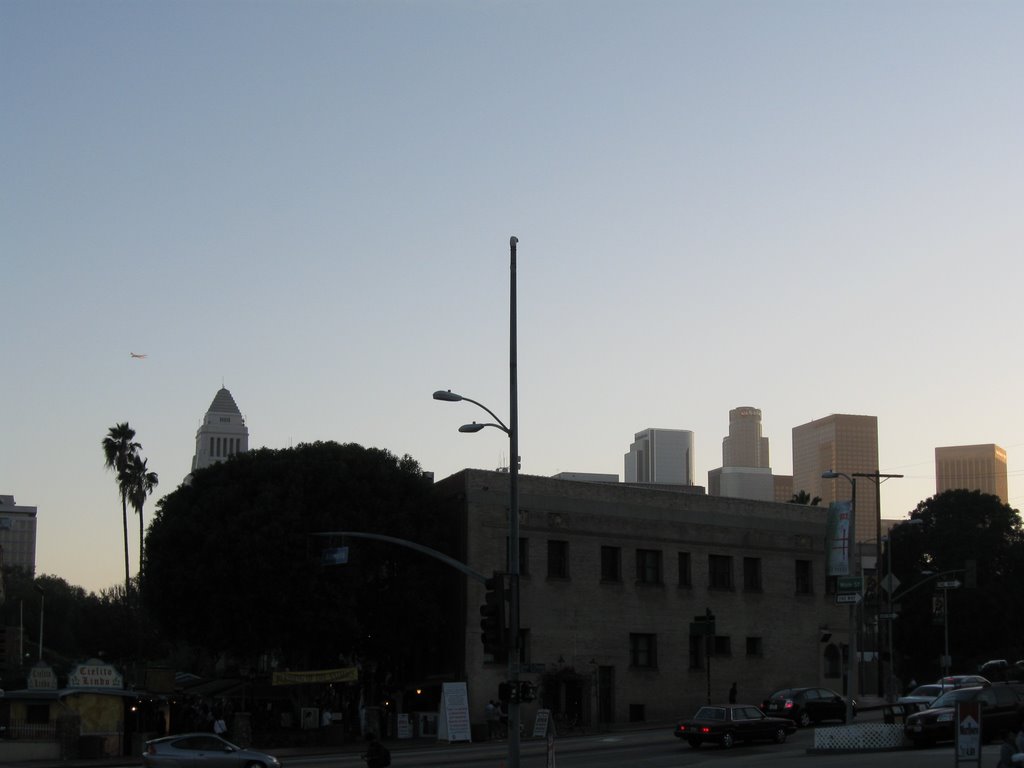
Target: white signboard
95,674
453,724
404,726
968,732
41,677
540,725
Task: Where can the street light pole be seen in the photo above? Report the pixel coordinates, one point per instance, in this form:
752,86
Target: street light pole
851,662
512,430
878,478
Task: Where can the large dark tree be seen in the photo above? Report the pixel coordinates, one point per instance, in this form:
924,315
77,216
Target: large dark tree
954,533
233,562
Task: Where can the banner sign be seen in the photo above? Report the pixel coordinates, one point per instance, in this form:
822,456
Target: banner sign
837,538
299,677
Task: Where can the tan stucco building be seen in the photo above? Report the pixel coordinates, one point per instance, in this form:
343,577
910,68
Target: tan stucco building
613,576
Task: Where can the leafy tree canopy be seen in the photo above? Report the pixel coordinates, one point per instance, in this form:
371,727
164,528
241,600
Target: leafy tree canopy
948,532
233,565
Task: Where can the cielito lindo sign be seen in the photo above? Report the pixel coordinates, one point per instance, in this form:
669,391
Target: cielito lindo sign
95,674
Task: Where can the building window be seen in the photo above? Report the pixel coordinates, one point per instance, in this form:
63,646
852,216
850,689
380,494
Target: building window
719,571
804,586
558,559
752,574
698,649
648,566
721,645
643,650
685,572
755,646
611,564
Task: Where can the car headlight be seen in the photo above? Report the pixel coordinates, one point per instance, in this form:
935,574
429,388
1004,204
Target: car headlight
945,717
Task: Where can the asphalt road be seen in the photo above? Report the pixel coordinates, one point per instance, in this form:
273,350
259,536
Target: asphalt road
651,749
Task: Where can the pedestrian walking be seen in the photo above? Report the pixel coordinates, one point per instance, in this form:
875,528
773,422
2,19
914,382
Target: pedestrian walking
732,694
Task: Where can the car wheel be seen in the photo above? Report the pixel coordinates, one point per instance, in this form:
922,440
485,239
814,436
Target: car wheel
254,765
694,743
727,740
780,735
804,719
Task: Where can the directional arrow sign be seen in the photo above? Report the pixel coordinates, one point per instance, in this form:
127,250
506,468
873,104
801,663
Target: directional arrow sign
954,584
853,598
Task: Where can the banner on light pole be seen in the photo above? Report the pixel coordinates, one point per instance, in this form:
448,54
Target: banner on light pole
837,538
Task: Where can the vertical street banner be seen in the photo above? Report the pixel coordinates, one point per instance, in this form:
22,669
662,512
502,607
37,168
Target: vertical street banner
837,538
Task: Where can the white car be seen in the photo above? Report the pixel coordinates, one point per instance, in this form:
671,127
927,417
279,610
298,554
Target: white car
922,696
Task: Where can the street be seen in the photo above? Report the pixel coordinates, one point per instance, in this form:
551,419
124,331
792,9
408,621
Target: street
650,749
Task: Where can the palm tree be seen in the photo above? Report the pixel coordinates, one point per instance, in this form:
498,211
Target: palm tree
118,449
141,483
803,497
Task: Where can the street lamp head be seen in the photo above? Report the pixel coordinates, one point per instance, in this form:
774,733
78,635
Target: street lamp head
826,475
474,427
447,395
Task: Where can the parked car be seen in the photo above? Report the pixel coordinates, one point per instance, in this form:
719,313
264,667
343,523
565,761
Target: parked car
805,706
963,681
727,724
922,696
202,750
999,709
1001,669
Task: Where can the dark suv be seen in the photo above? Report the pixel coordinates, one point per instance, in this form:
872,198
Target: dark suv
999,710
807,705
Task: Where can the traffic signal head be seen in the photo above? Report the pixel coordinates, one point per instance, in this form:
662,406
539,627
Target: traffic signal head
527,691
494,628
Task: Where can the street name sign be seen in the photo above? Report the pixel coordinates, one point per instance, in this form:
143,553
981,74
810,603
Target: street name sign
850,598
954,584
850,583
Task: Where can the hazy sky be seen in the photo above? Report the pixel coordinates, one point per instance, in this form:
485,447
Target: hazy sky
805,207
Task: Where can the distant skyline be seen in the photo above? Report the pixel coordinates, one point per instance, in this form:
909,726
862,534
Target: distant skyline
807,208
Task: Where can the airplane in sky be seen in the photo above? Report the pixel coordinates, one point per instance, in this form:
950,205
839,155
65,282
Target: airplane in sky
136,355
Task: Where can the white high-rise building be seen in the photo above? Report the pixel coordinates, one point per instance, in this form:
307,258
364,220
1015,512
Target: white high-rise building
222,434
660,456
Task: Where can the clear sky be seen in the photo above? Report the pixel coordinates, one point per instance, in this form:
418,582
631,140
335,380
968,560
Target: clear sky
805,207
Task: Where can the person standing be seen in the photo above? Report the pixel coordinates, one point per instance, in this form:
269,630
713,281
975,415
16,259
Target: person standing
1007,748
732,694
491,714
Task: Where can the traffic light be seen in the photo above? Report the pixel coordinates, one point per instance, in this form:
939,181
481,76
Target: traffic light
527,691
494,628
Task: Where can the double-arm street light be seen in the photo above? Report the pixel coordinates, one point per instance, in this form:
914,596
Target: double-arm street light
877,478
512,430
851,535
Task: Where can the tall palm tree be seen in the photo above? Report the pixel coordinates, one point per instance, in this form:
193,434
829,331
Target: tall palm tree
141,484
118,449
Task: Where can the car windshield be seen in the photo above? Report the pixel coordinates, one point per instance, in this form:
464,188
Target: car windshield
927,690
950,698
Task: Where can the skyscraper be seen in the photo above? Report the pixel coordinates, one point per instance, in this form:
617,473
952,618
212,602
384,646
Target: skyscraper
660,456
745,472
842,443
973,467
744,446
222,434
